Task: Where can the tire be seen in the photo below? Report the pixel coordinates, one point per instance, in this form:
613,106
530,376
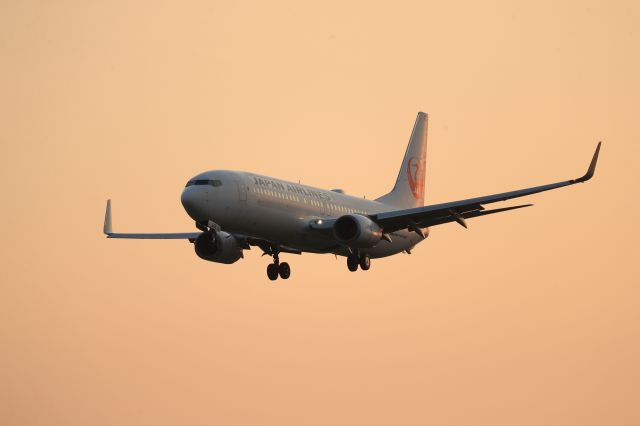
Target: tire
272,271
284,270
365,262
352,262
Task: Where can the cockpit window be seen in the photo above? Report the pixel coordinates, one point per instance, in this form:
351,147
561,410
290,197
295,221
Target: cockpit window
214,182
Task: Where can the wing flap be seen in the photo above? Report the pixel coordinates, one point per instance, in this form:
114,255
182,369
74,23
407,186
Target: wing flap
451,218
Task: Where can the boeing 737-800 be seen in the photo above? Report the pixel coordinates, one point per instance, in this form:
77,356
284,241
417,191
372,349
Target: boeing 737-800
236,210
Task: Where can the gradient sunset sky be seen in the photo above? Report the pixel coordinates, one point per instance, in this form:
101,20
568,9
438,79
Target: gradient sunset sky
527,318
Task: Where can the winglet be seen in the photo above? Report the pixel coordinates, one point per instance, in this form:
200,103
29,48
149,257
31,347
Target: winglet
592,166
107,219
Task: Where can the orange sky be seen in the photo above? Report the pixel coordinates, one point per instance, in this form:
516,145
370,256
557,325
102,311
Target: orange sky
527,318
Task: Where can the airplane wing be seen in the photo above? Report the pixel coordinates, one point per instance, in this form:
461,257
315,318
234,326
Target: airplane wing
244,240
458,211
155,236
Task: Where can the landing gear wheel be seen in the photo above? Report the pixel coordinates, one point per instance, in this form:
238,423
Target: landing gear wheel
352,262
365,262
272,271
284,270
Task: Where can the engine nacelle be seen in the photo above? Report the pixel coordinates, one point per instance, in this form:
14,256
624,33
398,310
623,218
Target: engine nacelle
357,231
218,247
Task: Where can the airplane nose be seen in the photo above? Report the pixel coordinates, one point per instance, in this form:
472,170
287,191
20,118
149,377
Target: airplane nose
196,202
189,200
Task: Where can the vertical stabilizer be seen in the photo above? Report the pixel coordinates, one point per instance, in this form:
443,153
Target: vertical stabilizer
409,188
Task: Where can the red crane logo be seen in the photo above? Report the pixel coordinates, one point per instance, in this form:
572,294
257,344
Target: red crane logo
415,173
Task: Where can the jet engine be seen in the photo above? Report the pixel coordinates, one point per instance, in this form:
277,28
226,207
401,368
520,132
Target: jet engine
358,231
218,247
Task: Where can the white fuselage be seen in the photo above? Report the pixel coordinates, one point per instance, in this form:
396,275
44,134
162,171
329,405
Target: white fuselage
281,212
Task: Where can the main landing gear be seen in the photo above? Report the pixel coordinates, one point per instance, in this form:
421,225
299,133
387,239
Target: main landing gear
363,260
276,269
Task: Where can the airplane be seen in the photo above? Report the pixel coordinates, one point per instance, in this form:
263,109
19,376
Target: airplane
235,210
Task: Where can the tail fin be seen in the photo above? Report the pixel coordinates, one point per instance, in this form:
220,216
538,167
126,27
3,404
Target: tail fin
409,188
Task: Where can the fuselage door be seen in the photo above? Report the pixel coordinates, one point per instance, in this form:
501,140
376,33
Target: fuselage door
326,207
242,187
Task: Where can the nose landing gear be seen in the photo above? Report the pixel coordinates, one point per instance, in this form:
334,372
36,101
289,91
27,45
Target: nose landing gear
354,260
